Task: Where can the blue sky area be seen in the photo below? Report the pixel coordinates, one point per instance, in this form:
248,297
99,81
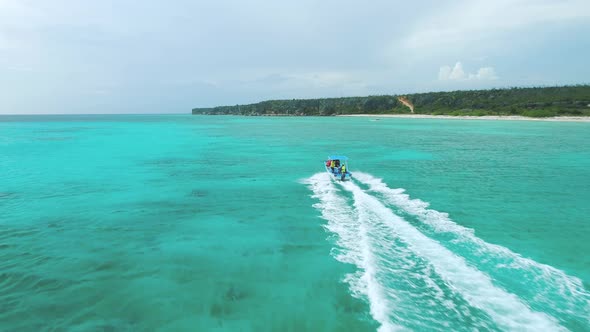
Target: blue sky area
124,56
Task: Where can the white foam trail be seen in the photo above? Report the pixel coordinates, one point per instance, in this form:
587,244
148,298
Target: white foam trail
412,298
549,283
475,287
352,237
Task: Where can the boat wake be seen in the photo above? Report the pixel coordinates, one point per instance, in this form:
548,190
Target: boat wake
412,279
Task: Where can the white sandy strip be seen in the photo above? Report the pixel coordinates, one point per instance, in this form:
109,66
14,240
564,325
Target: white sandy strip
486,117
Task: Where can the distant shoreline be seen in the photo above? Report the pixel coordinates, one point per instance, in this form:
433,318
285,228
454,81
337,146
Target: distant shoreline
483,117
565,103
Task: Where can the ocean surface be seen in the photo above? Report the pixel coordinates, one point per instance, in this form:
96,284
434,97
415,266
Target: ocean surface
213,223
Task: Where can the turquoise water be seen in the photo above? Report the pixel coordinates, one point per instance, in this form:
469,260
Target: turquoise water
196,223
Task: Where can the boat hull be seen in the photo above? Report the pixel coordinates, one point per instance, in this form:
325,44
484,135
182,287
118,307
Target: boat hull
338,175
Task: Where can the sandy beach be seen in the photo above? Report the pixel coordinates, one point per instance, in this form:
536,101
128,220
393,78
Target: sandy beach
486,117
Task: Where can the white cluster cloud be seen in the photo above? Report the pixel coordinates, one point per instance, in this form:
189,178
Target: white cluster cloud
446,73
485,73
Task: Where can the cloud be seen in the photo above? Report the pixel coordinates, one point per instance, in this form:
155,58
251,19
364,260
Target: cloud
470,21
19,68
457,73
485,73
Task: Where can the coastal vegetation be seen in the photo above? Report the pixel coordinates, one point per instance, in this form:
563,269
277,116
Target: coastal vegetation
530,102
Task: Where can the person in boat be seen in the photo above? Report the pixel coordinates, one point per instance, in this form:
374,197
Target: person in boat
332,165
343,172
328,163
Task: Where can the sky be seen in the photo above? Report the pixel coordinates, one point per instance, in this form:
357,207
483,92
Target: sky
123,56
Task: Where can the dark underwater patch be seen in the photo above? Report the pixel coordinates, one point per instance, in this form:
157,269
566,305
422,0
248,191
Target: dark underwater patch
234,294
198,193
7,195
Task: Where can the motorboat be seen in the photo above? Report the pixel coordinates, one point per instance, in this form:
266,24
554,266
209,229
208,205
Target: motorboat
337,166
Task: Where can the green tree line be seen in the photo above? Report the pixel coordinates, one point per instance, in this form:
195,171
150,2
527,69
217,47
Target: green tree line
531,102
